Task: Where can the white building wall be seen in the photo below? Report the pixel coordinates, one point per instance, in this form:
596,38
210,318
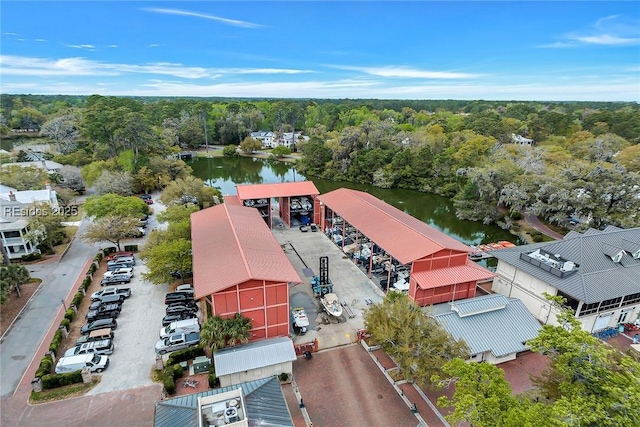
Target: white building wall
256,374
488,357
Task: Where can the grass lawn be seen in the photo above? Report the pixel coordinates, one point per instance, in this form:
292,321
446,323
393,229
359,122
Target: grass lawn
65,392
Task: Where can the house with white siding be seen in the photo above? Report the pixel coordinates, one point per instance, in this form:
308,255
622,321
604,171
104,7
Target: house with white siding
597,272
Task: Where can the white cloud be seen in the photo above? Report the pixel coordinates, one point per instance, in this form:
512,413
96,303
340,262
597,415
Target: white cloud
153,45
407,72
81,46
613,30
20,65
233,22
113,45
40,40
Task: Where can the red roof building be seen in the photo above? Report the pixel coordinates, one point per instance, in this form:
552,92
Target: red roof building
239,267
297,201
440,269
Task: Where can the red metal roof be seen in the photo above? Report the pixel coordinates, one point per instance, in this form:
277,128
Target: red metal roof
232,200
448,276
404,237
232,244
282,189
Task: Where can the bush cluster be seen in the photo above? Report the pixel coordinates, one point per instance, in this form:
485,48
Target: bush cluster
55,342
77,299
70,314
131,248
213,379
169,384
59,380
46,365
86,283
99,257
66,323
92,268
110,250
185,354
31,257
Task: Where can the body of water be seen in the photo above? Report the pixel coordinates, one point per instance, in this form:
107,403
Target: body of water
224,173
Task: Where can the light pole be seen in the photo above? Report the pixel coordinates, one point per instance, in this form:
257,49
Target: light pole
64,305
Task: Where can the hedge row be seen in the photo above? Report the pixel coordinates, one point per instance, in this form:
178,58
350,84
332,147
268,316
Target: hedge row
169,376
50,380
131,248
59,380
31,257
185,354
213,379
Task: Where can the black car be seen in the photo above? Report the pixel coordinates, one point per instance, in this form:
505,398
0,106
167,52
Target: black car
99,324
173,317
181,308
172,297
112,299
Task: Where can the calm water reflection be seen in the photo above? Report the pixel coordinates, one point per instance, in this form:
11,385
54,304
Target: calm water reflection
437,211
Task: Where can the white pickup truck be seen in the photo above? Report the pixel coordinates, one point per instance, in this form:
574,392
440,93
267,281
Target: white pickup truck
121,292
177,342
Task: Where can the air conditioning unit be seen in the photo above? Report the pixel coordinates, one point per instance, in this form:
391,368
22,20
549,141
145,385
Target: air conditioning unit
231,415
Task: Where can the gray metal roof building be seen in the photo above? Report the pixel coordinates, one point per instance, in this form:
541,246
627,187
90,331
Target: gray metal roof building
490,323
603,264
253,355
264,401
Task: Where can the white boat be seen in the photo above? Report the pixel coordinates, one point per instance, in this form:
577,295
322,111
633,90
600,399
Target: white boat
331,305
300,320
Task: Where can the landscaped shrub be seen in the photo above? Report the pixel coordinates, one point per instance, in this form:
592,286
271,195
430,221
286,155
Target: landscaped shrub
186,354
70,314
230,151
59,380
109,250
178,372
538,238
130,248
86,283
77,299
31,257
169,384
283,376
46,365
99,256
55,342
92,268
66,323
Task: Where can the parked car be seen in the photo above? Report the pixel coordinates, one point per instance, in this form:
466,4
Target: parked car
103,312
97,347
177,342
116,279
174,317
93,362
181,274
122,292
97,335
124,270
147,198
114,256
99,324
180,327
181,307
109,299
122,262
172,297
188,288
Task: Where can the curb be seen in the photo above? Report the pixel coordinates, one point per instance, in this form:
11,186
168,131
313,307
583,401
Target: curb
20,312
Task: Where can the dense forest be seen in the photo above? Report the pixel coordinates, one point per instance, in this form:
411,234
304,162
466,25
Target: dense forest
583,161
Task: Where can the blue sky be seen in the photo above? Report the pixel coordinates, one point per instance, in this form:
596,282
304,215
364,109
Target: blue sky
587,51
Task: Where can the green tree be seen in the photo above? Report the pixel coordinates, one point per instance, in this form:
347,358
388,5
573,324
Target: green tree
230,150
63,130
589,382
189,190
12,277
629,157
416,341
116,182
165,257
45,228
281,151
116,206
111,229
250,145
217,333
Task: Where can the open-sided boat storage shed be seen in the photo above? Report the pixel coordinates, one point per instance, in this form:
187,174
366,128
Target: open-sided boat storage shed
438,267
239,267
297,201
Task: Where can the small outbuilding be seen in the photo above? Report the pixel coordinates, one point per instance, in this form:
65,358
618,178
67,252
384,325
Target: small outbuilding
495,328
260,359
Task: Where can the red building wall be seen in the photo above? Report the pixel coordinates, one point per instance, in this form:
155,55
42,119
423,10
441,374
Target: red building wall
444,292
266,304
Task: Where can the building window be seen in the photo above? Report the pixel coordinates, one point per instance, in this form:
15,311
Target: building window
610,303
589,308
571,302
631,299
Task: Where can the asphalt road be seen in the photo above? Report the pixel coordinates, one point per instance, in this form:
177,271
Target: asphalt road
22,340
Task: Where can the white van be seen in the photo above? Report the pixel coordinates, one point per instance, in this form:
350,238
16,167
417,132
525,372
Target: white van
94,362
180,327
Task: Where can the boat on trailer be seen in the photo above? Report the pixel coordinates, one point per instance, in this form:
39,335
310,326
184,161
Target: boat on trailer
300,320
331,305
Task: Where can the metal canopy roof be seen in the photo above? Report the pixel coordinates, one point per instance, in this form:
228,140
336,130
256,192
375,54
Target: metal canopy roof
451,275
404,237
281,189
231,245
253,355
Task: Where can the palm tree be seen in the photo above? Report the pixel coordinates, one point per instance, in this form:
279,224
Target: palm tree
11,277
212,333
238,330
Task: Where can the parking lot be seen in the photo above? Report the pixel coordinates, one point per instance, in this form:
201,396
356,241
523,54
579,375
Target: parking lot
350,284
